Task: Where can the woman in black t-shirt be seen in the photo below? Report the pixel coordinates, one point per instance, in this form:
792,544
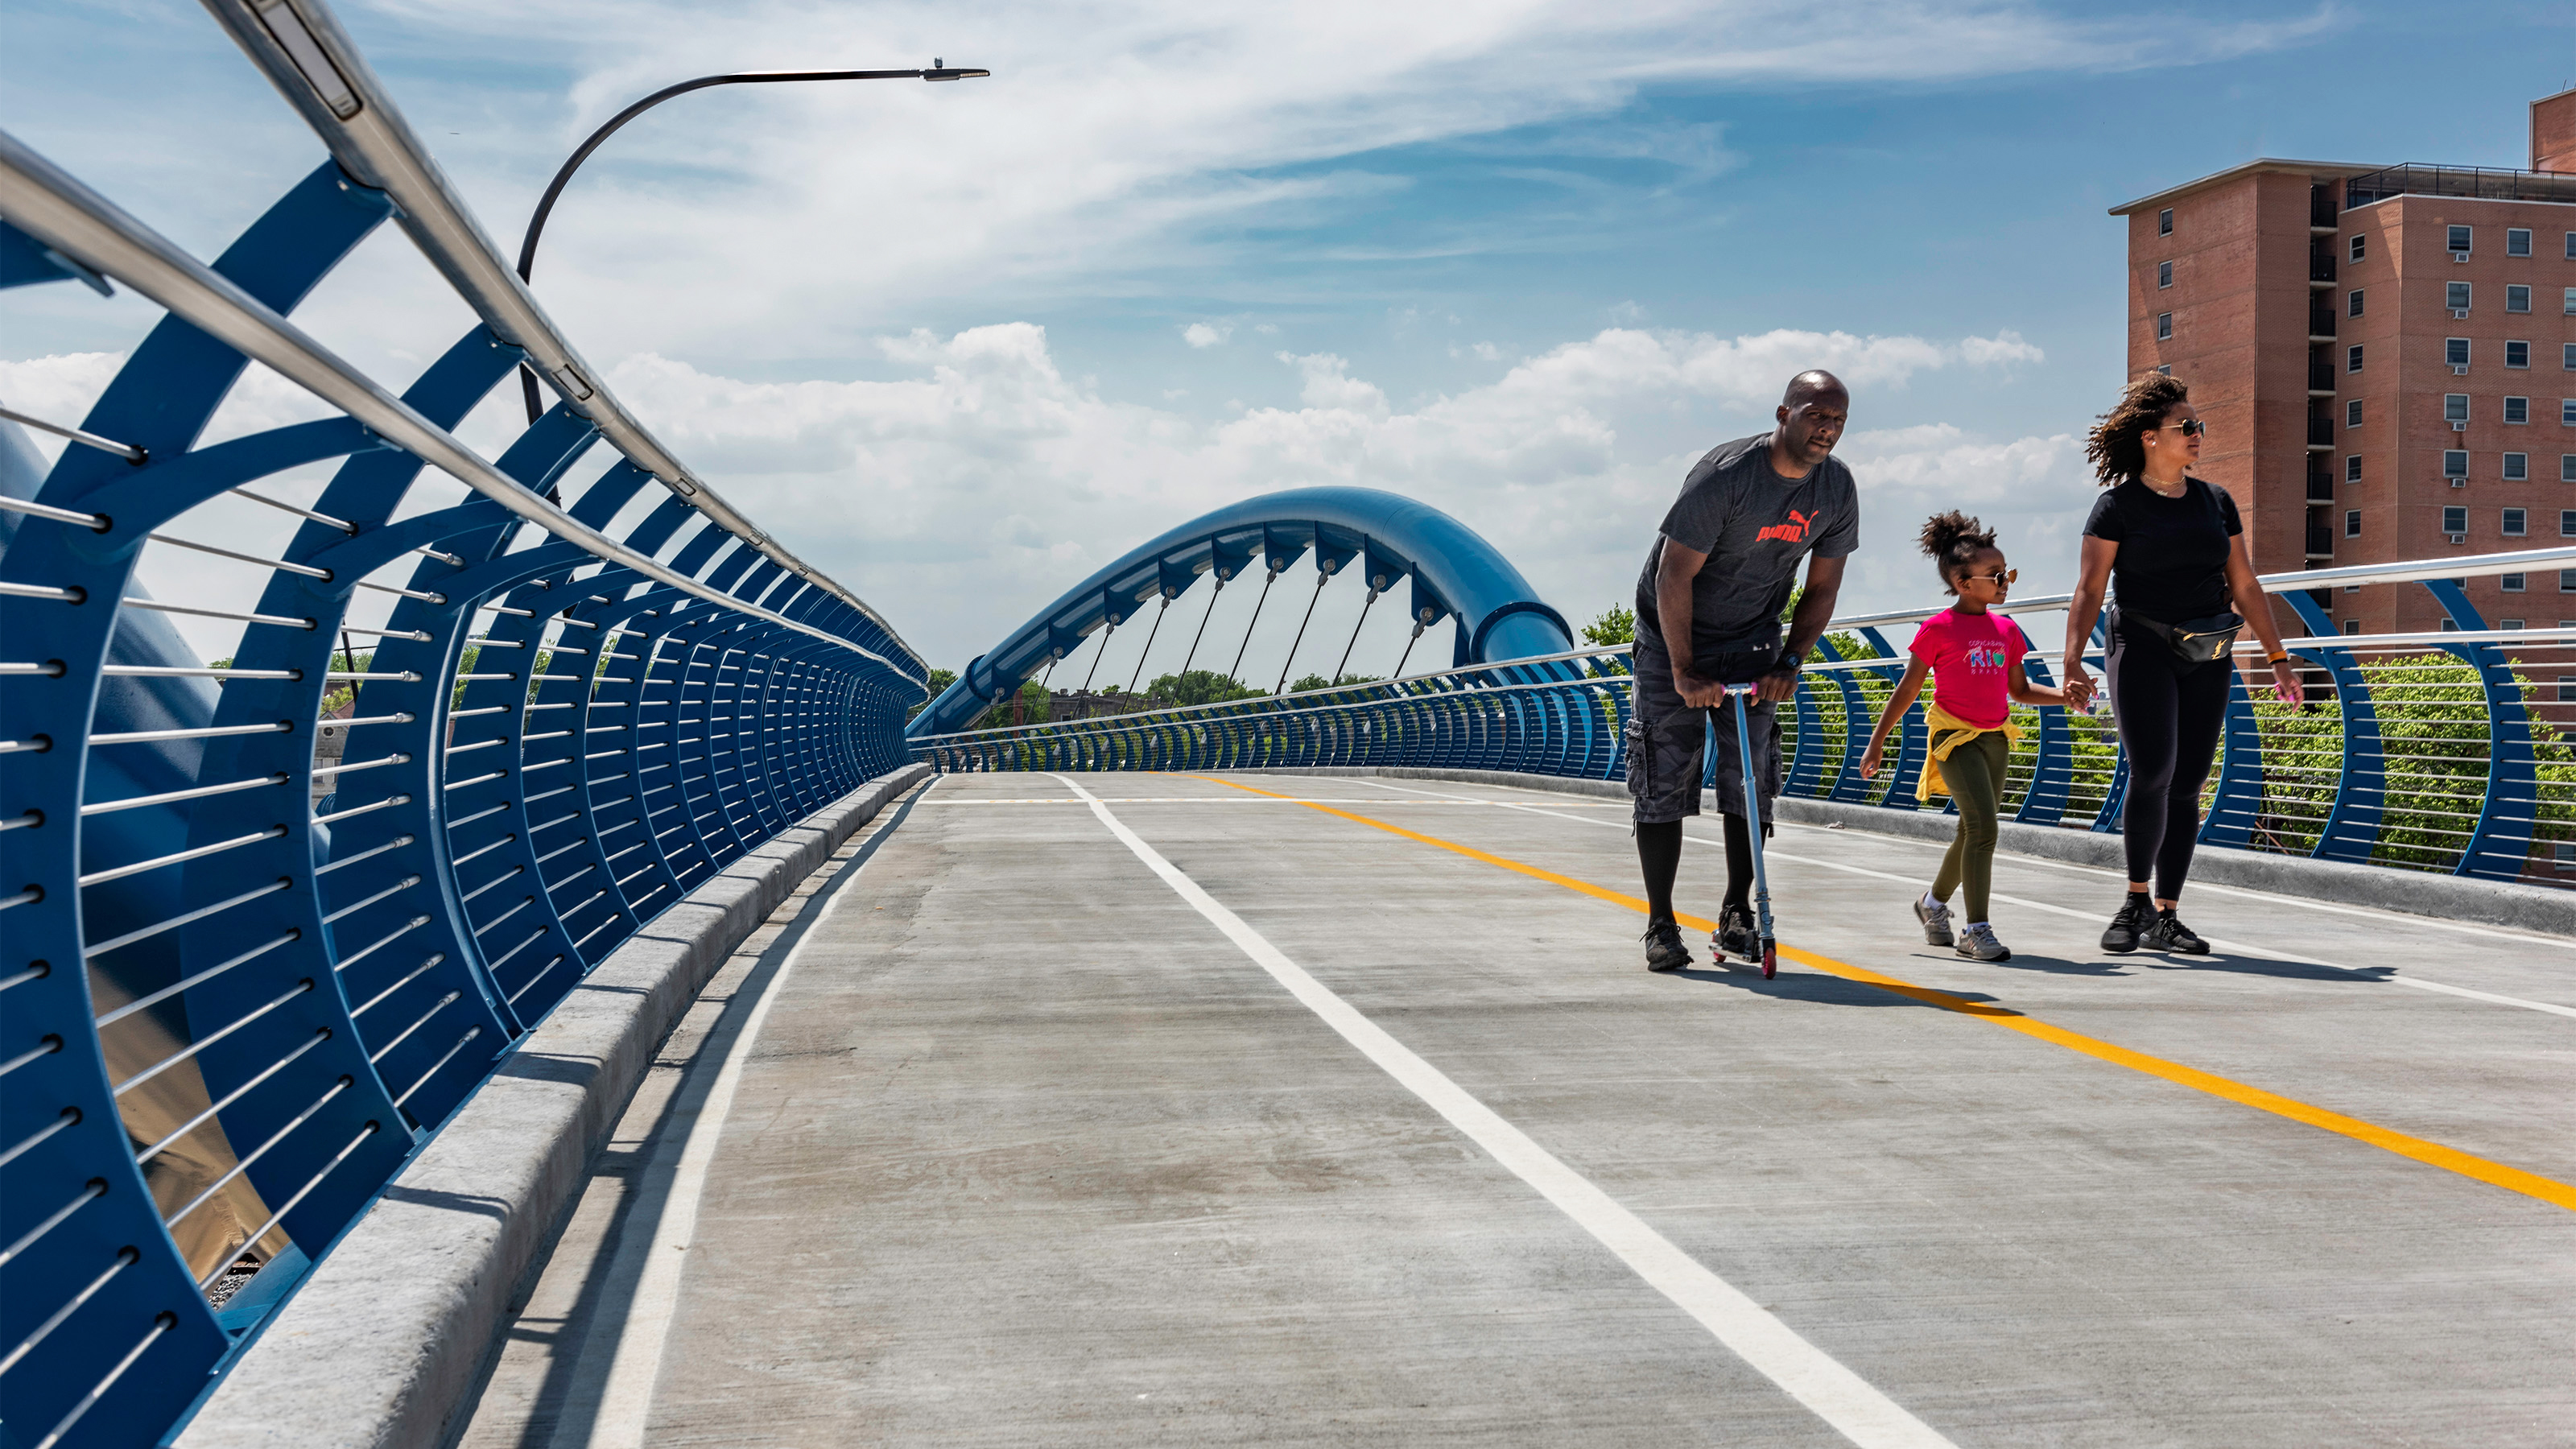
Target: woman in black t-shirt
2167,545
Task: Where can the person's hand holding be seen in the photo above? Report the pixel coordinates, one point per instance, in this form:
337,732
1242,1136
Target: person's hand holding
2285,682
1698,691
1777,686
1871,758
2077,677
2079,694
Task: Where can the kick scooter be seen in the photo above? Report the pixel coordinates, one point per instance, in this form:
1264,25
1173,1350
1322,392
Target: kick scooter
1769,959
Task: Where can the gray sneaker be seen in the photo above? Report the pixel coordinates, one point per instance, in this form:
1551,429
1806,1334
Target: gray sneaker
1978,942
1936,922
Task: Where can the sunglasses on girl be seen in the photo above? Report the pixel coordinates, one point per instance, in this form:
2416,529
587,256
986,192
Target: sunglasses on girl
1998,579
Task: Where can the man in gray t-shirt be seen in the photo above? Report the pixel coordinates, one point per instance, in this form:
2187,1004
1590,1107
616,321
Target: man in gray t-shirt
1708,615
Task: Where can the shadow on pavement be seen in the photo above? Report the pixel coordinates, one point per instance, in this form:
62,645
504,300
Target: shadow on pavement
1795,984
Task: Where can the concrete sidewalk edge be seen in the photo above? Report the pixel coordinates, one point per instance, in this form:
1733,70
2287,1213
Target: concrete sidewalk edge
381,1343
2456,898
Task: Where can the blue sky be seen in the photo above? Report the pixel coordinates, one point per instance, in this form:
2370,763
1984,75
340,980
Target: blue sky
964,343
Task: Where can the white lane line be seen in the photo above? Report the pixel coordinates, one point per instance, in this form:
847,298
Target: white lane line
1834,1393
2233,948
2268,897
664,1220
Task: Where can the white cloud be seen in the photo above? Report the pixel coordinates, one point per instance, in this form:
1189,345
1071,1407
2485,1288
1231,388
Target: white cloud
1202,334
965,496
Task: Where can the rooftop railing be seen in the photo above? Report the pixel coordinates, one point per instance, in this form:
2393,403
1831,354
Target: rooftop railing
2480,182
279,891
2446,751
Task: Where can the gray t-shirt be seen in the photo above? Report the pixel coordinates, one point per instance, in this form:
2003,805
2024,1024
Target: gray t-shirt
1754,525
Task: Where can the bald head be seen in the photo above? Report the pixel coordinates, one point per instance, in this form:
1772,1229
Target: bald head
1811,385
1812,414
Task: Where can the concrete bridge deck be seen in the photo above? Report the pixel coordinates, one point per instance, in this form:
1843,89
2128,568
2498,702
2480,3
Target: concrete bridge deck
1202,1116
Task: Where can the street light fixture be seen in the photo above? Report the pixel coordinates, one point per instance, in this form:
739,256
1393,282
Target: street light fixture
939,70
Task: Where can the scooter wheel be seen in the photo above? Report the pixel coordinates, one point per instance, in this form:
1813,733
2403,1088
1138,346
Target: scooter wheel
1770,960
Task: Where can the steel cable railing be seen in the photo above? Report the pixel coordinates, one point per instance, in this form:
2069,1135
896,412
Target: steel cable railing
247,966
2447,751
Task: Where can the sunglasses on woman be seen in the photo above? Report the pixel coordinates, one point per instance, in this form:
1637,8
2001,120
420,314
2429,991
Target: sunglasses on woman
2189,427
1997,579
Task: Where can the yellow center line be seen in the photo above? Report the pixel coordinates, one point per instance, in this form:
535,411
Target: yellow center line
2451,1159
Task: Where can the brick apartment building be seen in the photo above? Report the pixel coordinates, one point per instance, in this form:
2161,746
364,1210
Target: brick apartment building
2386,359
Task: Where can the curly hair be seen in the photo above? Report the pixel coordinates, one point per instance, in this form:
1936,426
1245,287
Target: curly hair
1954,540
2114,447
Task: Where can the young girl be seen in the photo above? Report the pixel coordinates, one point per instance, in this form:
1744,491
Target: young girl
1974,657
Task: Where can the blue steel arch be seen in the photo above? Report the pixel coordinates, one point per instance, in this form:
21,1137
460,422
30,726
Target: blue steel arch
1455,573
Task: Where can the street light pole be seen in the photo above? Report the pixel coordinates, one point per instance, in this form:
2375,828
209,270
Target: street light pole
939,70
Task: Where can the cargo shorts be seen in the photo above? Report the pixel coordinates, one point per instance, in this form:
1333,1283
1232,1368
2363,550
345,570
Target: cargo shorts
1667,740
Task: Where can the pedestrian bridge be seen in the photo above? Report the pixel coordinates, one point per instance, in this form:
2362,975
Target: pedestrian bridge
527,983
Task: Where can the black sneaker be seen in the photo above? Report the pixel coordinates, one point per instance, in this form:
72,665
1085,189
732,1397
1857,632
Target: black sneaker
1664,948
2170,934
2134,915
1736,936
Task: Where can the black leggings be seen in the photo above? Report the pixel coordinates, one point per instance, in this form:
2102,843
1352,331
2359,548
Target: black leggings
2171,713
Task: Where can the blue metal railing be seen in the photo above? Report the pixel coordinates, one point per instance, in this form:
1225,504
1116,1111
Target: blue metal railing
2447,751
247,966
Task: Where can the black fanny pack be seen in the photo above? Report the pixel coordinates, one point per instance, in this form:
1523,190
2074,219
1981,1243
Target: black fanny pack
2198,640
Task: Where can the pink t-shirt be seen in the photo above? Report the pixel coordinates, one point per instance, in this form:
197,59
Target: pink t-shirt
1971,657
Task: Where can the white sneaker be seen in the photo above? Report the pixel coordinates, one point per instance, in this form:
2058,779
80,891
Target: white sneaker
1935,916
1978,941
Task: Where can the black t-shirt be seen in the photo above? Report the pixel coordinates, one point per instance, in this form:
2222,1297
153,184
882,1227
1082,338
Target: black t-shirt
2172,564
1755,526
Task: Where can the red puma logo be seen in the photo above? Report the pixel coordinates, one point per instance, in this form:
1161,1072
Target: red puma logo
1788,532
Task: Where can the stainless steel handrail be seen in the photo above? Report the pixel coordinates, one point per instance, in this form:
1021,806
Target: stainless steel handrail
336,92
47,203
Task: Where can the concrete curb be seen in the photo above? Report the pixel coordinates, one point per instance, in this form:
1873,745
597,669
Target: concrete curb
2494,903
385,1338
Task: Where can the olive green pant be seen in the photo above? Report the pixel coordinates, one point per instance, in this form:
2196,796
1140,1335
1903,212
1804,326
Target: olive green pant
1974,771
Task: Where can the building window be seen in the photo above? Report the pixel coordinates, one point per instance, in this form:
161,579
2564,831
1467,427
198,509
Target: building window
2567,467
2569,306
2517,354
2352,626
2352,413
2566,682
2517,297
2164,274
2354,308
2352,469
2455,407
2352,358
2517,241
2165,371
2164,326
2455,351
2567,356
2517,410
2567,412
2567,581
2567,523
2571,246
2460,236
2164,222
2450,626
2455,295
2352,523
2512,583
2517,523
2517,469
2455,464
2510,624
2455,521
2361,246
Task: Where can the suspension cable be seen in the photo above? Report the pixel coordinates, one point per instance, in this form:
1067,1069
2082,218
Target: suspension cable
1355,637
1188,658
1236,672
1110,628
1289,663
1164,604
1408,649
